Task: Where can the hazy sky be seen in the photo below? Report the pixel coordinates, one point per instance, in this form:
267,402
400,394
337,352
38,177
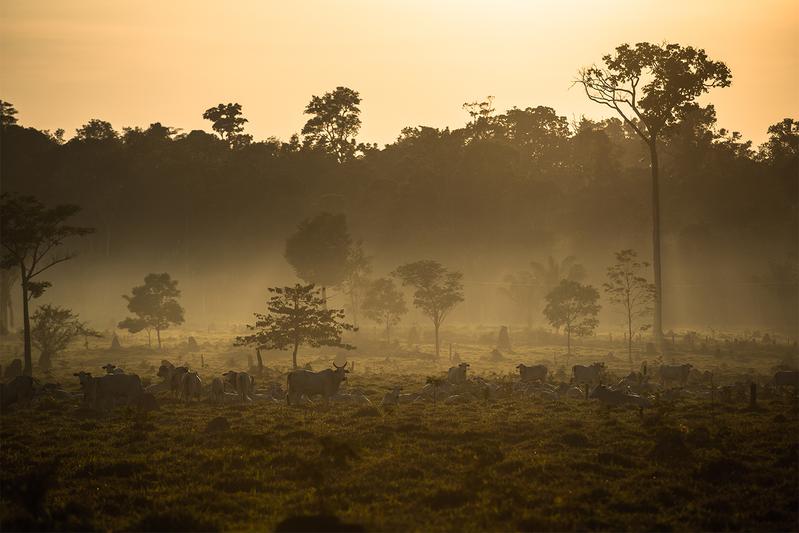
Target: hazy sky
414,62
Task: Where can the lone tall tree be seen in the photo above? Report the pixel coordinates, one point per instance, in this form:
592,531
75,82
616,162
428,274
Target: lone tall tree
319,250
297,316
628,288
573,307
335,121
31,233
384,304
437,292
155,306
650,86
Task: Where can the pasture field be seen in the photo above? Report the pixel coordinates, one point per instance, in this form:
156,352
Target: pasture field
501,463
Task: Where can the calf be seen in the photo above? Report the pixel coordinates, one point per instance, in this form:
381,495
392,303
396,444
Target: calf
532,373
587,374
457,374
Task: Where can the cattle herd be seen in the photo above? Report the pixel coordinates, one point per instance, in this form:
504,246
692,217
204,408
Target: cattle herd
303,386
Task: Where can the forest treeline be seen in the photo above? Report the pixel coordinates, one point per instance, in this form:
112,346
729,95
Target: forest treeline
489,197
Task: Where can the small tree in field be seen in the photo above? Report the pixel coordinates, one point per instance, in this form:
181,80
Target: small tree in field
297,316
437,292
629,289
573,307
53,328
30,234
155,306
384,304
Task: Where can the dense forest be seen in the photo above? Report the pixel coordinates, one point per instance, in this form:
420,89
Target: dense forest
214,209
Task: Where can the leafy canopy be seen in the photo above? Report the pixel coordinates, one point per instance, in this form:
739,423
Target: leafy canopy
334,123
54,327
297,316
154,304
437,290
573,306
384,303
650,85
629,289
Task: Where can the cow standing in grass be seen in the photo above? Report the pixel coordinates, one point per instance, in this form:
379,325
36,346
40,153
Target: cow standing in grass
110,388
191,386
532,373
306,383
672,373
588,374
172,375
241,382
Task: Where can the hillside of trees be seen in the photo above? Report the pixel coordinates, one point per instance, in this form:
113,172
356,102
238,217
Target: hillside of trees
505,189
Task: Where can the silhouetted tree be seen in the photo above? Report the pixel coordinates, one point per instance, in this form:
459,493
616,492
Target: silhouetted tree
628,288
297,316
228,122
359,266
96,130
334,123
319,250
7,114
31,235
53,329
155,306
651,86
573,307
384,304
436,290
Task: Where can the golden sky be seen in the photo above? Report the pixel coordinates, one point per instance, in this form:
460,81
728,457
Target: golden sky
414,62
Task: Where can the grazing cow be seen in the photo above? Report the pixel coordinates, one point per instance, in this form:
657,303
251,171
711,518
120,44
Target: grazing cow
457,374
191,386
612,398
678,373
110,387
532,373
112,369
172,375
19,389
786,378
217,390
242,382
325,383
587,374
391,398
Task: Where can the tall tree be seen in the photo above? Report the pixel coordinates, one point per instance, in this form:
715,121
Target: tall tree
334,123
359,266
155,305
297,316
53,329
31,235
384,304
228,122
437,290
651,86
574,307
319,250
628,288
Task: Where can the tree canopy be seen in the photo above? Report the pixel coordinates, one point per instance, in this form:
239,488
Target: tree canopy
154,305
573,307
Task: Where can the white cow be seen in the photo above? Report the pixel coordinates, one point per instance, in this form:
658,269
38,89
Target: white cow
457,374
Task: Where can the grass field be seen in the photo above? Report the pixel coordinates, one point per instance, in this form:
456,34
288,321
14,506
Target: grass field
510,462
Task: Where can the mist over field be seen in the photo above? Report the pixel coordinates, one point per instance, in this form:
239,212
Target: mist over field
280,269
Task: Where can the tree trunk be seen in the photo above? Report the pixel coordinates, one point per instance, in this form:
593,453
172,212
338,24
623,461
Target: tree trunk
629,331
26,326
294,355
658,319
436,325
388,331
158,335
149,340
260,361
324,296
